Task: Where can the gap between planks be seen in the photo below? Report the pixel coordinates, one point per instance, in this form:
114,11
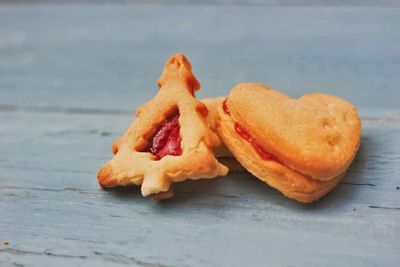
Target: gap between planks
122,112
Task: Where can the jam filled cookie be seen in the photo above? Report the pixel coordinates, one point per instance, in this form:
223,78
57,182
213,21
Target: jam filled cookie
302,147
169,141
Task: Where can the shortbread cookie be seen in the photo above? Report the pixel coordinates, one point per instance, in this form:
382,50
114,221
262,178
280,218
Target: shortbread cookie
169,141
302,147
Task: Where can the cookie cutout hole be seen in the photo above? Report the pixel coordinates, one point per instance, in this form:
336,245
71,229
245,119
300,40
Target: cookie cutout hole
165,139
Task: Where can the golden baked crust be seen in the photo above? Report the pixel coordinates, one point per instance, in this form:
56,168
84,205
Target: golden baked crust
129,166
313,139
212,105
221,152
291,183
317,135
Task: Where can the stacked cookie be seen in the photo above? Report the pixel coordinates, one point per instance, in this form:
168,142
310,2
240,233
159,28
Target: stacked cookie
302,147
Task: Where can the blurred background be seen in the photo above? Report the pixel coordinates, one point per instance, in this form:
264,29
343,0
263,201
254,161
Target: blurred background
109,54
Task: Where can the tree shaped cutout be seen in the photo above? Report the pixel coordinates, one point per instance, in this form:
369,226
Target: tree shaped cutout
134,161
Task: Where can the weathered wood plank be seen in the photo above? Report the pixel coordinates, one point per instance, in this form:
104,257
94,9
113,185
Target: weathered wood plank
70,77
56,213
55,55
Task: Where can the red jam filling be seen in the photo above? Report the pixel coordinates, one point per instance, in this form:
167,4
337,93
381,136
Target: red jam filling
249,138
167,140
225,108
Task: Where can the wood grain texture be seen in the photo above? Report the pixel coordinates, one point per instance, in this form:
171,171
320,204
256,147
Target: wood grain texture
71,76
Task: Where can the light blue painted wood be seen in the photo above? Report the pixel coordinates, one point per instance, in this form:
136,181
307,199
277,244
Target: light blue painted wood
55,213
71,76
53,51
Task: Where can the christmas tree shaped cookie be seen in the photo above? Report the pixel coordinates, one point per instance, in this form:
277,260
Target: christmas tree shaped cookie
169,141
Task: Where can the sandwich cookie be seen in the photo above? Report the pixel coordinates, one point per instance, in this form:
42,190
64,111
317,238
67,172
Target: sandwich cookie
169,140
302,147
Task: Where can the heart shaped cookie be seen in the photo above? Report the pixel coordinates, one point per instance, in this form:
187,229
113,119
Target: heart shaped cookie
301,147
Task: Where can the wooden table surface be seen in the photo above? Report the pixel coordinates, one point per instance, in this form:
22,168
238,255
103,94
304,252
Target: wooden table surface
71,77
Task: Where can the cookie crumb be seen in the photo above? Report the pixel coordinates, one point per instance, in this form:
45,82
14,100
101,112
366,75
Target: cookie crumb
5,242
